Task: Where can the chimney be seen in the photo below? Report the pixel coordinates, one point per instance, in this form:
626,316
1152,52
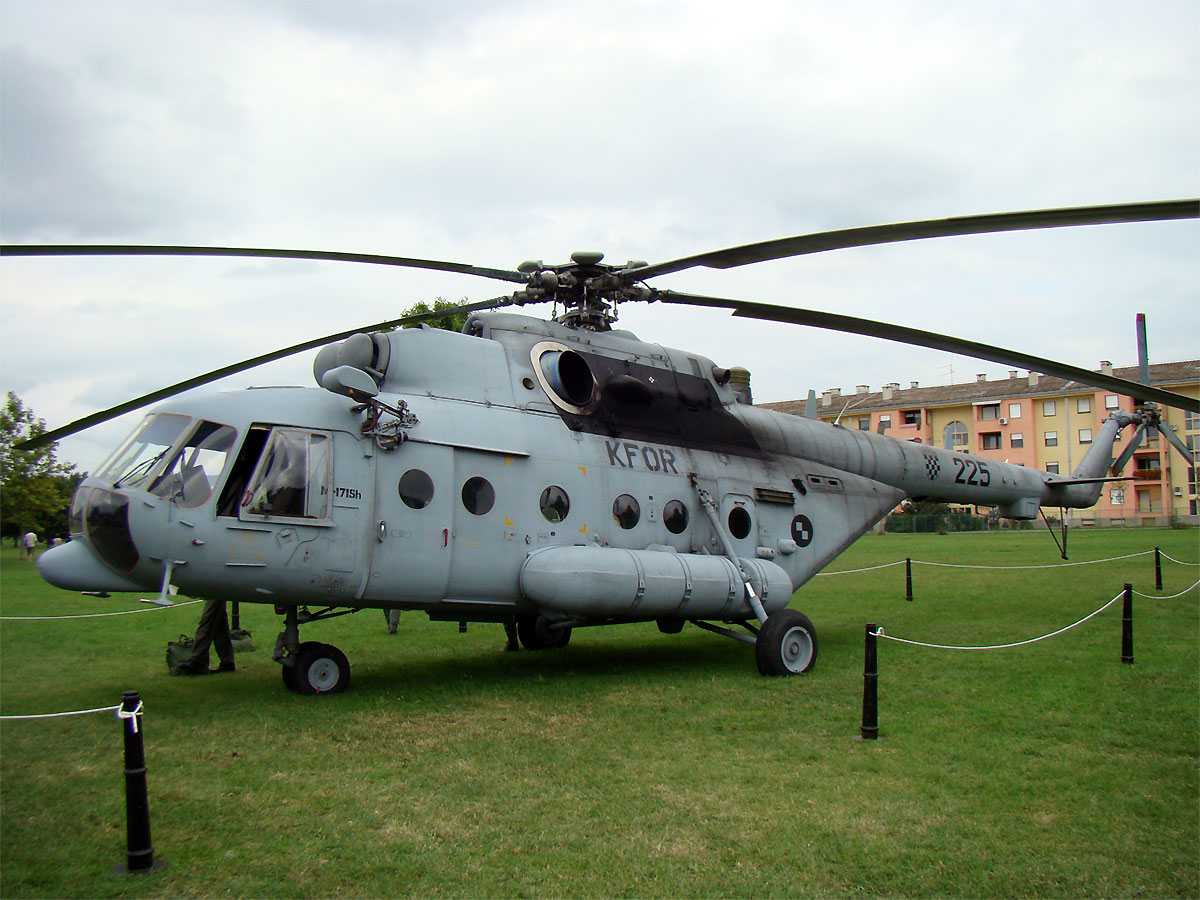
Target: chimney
1033,379
981,378
1012,373
1105,367
829,395
913,385
862,389
887,392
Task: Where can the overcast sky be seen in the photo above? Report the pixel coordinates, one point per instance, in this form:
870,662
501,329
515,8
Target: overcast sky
490,133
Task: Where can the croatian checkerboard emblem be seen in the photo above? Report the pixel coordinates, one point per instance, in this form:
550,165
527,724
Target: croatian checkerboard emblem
802,531
932,466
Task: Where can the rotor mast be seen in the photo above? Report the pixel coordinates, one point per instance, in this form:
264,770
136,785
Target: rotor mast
588,289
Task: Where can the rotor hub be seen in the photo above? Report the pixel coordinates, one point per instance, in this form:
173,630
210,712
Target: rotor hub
588,289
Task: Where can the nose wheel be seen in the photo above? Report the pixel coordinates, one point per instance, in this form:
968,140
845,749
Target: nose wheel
317,669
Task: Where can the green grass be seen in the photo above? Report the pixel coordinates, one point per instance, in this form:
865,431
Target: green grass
633,763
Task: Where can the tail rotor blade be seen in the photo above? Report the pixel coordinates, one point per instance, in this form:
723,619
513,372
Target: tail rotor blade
1173,439
1127,454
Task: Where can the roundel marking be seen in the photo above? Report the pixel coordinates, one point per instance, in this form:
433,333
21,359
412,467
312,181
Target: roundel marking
802,531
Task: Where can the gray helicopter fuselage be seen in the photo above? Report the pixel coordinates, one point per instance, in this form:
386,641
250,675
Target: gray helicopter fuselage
523,467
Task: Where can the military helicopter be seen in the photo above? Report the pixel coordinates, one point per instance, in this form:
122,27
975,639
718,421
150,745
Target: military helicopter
561,473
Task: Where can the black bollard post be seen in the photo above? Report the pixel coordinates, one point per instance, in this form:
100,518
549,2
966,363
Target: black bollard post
908,579
1157,569
139,854
870,715
1127,627
236,618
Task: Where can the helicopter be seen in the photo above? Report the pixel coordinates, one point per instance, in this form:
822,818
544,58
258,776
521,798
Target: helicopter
557,473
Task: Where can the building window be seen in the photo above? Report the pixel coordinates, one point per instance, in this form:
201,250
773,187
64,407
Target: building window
1112,401
1193,486
1085,435
989,411
1049,408
885,422
1016,440
911,417
989,441
954,436
1191,421
1051,438
1052,468
864,423
1083,404
1014,410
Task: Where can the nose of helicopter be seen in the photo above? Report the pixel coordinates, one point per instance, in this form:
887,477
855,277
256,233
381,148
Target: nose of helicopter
75,567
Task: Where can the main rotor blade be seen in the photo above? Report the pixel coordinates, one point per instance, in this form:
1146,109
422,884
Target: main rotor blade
233,369
915,231
255,252
905,335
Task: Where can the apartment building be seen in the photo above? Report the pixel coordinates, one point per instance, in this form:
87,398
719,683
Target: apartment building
1040,421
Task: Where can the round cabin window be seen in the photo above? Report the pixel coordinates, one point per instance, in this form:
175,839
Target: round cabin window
478,496
675,517
416,489
739,522
626,511
554,503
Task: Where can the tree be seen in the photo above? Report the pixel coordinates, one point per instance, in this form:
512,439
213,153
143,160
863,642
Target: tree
35,488
449,323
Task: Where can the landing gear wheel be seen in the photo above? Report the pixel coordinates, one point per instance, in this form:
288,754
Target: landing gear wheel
318,669
536,634
786,644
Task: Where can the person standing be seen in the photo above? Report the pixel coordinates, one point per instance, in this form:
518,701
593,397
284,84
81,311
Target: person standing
213,631
29,540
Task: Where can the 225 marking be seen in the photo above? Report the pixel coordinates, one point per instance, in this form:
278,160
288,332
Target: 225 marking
972,472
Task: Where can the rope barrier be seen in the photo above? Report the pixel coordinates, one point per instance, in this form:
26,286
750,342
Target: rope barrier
898,562
879,633
77,712
922,562
1088,562
125,612
1172,597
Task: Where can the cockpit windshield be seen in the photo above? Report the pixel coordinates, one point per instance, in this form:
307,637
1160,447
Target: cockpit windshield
134,460
189,478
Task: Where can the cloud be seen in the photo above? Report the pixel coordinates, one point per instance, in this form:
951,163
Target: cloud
492,133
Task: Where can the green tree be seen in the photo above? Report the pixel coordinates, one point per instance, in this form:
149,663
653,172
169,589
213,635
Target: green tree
35,488
453,322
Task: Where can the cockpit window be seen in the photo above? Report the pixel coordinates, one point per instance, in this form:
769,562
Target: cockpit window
137,457
292,479
189,478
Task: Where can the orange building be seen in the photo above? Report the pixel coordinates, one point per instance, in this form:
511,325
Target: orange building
1043,422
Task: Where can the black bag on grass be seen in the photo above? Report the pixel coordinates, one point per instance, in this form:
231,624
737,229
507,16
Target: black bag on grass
178,652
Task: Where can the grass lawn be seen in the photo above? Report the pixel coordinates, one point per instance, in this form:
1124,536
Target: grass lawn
633,763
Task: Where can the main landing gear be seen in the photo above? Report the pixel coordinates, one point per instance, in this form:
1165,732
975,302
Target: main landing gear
311,667
785,644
